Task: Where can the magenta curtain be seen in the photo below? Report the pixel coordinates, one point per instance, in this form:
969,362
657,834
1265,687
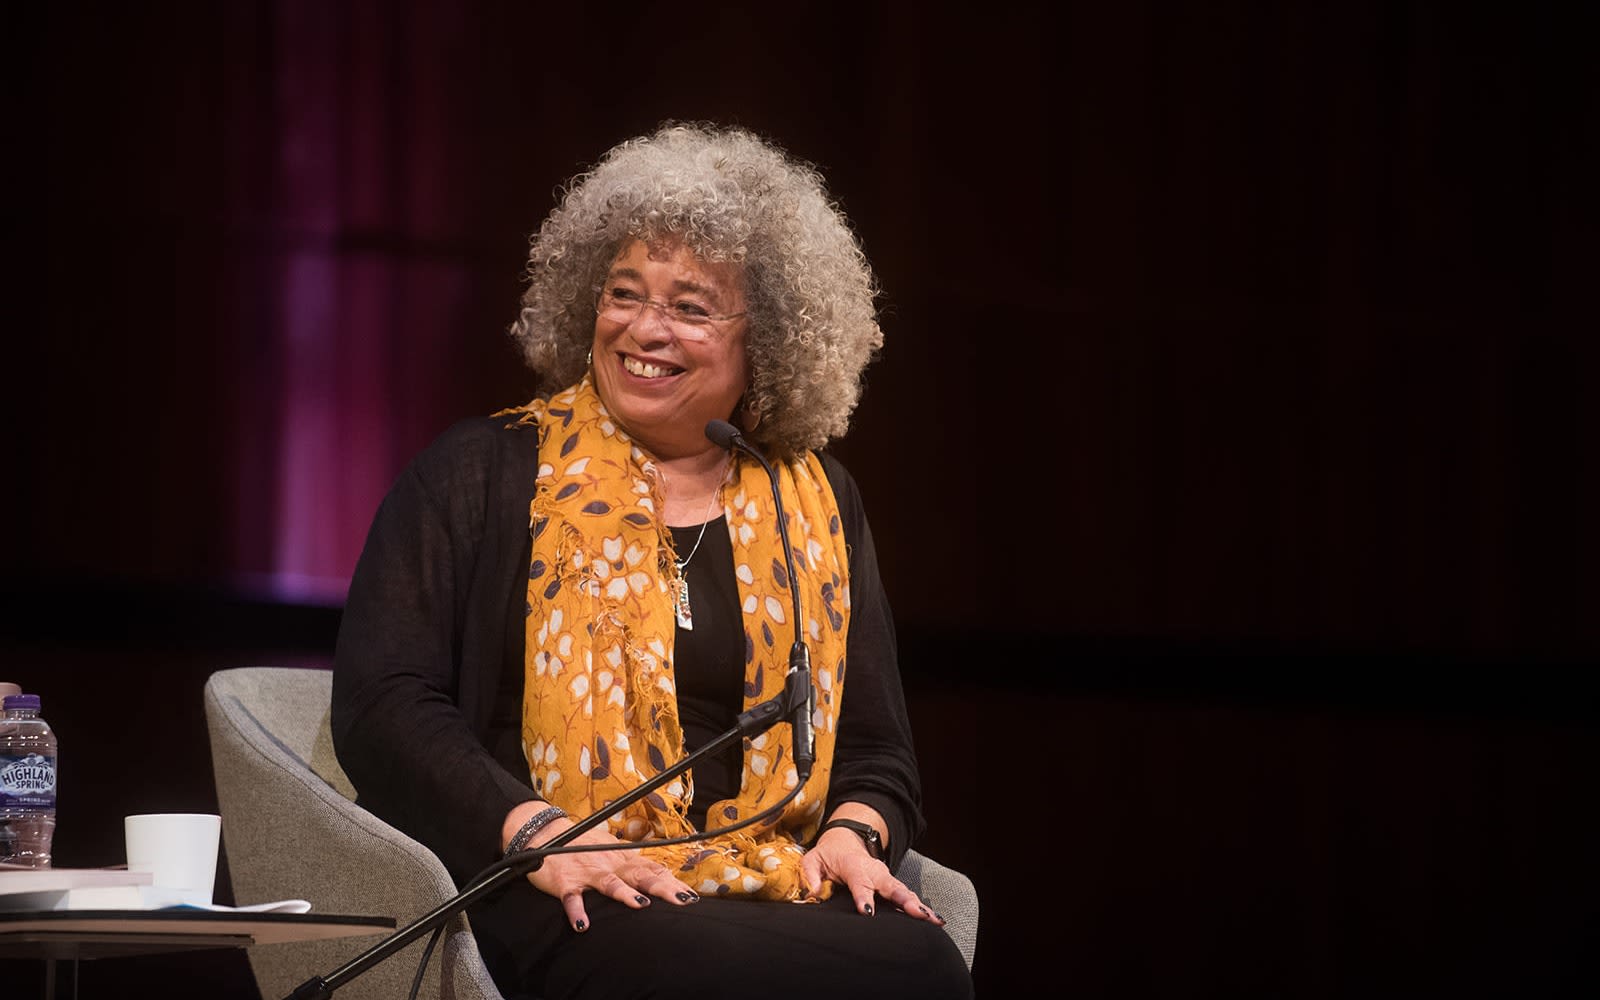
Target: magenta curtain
349,197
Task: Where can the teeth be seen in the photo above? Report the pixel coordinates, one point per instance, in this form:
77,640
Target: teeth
645,370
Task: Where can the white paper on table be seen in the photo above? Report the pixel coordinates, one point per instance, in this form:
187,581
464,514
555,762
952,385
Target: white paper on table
281,906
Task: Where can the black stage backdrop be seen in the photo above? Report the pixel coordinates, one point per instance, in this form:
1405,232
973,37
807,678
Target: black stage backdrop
1229,457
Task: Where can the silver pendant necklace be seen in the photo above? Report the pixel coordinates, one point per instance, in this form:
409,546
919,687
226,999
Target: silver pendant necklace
680,600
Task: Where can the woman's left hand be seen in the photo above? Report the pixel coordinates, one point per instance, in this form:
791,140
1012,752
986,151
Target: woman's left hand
840,856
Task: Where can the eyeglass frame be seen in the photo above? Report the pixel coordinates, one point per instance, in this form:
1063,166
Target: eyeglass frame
664,308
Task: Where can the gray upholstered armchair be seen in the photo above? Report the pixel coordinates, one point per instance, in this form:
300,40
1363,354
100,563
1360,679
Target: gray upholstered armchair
291,830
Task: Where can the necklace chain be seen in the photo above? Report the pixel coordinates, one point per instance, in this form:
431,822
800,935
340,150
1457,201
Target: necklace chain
703,524
680,600
716,491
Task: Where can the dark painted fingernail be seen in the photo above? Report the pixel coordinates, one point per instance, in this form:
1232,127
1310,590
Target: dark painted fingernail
687,897
642,900
581,925
867,909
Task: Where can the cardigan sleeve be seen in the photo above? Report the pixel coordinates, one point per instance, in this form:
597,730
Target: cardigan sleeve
405,688
875,761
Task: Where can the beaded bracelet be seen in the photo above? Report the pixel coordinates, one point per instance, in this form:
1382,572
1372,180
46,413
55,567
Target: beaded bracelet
538,821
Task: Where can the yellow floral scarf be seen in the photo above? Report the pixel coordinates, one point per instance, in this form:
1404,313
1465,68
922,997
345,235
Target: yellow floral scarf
600,710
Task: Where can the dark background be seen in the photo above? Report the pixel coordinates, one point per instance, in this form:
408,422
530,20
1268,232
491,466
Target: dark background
1230,455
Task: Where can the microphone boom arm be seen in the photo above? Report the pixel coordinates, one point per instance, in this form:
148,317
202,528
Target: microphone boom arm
749,722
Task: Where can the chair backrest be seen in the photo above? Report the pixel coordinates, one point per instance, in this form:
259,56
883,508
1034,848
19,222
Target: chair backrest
294,706
291,830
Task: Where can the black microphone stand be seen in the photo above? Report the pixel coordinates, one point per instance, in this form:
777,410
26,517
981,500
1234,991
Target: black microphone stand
797,688
749,723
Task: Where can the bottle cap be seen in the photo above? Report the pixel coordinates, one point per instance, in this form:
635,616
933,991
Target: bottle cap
14,701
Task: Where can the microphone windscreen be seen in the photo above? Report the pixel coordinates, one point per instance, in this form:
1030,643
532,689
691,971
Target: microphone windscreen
722,433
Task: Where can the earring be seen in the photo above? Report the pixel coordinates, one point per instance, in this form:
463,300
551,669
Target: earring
588,359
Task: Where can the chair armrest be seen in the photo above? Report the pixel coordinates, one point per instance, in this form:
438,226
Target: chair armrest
951,895
288,835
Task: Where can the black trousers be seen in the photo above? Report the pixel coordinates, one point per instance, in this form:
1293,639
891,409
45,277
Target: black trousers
713,949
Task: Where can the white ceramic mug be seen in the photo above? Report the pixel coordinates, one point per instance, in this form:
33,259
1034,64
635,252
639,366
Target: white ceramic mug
179,850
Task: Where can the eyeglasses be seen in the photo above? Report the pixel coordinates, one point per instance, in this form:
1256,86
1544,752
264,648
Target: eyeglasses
686,317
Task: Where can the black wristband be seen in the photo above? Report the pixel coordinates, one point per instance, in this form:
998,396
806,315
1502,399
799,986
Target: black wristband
867,833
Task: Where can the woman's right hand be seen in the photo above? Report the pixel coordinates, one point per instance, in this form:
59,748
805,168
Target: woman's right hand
623,874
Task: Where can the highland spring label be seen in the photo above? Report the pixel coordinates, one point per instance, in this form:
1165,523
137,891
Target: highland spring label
28,781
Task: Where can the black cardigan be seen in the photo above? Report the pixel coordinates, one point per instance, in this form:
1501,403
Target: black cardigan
434,621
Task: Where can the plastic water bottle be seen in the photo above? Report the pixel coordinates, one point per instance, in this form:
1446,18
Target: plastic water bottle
27,784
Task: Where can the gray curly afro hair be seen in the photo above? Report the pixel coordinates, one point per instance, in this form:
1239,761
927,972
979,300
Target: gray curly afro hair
733,197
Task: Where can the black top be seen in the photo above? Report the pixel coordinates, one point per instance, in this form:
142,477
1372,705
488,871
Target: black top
427,687
708,661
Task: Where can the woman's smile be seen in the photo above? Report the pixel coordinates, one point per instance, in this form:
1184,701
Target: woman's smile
649,370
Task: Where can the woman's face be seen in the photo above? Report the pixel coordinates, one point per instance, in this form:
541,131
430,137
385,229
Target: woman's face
666,361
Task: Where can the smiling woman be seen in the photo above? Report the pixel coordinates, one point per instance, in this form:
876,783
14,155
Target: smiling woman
729,198
524,600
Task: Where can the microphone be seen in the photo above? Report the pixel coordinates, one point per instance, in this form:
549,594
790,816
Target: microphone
797,688
751,722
